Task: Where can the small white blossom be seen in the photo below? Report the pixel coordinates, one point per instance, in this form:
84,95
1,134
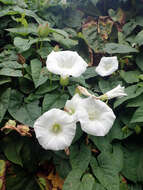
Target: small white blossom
118,91
107,66
96,117
66,63
55,129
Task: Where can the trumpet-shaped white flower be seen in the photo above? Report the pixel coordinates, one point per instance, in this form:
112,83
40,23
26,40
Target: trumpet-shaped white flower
73,106
118,91
66,63
96,117
55,129
107,66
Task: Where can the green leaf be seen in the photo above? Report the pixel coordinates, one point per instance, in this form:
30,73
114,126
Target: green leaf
10,72
22,112
12,149
138,115
78,133
73,18
130,76
139,38
76,155
4,101
89,73
98,186
21,179
94,2
102,143
25,44
62,166
13,10
4,80
54,100
133,157
106,85
37,75
119,48
87,182
136,102
66,42
31,29
10,64
46,87
79,80
132,92
110,164
72,181
139,61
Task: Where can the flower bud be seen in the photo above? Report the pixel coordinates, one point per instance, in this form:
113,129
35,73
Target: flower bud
64,80
138,129
43,30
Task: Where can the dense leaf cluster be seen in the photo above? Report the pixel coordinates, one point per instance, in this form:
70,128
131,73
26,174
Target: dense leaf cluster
93,28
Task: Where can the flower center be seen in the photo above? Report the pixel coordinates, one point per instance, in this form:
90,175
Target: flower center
56,128
108,66
72,111
65,65
92,115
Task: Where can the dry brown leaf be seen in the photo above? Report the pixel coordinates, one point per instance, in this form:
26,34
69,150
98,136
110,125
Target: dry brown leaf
23,130
56,180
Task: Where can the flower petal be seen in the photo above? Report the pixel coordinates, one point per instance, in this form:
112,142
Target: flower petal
47,137
98,117
107,66
66,63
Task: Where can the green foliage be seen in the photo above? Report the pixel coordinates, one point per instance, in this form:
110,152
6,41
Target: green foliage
94,29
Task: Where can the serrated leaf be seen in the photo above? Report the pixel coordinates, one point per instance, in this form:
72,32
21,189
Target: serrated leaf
4,101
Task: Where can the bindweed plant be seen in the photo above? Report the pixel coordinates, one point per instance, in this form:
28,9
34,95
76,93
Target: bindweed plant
71,90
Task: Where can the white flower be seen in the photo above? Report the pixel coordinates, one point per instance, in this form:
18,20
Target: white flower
55,129
107,66
64,2
118,91
73,106
96,117
66,63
